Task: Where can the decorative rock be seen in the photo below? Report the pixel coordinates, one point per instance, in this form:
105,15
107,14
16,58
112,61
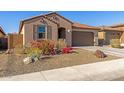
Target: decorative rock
35,59
100,54
27,60
9,51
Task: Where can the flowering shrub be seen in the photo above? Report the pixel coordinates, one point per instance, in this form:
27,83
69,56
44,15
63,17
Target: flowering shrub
47,46
66,50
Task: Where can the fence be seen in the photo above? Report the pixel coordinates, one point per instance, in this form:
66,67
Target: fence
15,40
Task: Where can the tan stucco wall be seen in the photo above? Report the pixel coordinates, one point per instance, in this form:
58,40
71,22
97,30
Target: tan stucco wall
68,26
111,35
122,35
94,31
22,32
122,38
28,28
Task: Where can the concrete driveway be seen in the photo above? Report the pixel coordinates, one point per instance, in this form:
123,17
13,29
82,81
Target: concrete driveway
107,50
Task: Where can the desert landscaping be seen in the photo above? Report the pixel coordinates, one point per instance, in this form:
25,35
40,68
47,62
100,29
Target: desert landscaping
20,63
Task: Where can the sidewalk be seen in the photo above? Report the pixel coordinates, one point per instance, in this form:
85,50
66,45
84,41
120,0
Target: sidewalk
108,70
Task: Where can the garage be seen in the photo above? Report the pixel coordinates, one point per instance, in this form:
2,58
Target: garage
80,38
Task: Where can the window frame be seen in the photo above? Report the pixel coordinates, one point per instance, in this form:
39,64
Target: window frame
38,32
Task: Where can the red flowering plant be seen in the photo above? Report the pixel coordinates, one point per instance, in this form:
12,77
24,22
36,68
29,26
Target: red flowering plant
49,47
66,50
60,44
46,46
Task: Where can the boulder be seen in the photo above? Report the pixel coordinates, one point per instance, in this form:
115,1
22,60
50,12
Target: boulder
27,60
100,54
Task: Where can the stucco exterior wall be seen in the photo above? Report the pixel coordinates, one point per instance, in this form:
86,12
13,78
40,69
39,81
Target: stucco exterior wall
122,38
111,35
122,35
22,32
28,29
65,24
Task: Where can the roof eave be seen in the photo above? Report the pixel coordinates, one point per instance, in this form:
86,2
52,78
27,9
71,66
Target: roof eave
22,22
86,28
60,16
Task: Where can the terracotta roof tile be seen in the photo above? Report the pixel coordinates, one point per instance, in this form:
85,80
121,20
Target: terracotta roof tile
117,25
43,15
78,25
110,28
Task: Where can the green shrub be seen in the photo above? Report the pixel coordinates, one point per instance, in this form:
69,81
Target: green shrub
34,52
115,43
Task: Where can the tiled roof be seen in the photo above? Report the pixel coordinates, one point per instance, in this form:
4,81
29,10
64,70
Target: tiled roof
117,25
76,25
110,28
43,15
83,26
103,28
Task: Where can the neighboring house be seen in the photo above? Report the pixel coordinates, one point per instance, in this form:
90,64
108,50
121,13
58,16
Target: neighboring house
3,39
121,27
107,33
54,26
2,33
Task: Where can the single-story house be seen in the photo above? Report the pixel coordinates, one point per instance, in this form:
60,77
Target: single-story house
53,26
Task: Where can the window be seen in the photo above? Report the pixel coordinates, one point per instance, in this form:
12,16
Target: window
118,34
41,32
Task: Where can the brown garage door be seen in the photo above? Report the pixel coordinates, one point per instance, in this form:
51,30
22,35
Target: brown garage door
82,38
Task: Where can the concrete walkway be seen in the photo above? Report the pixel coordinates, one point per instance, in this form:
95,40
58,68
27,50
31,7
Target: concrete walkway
108,70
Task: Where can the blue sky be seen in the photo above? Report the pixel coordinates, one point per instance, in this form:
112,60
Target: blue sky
10,20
